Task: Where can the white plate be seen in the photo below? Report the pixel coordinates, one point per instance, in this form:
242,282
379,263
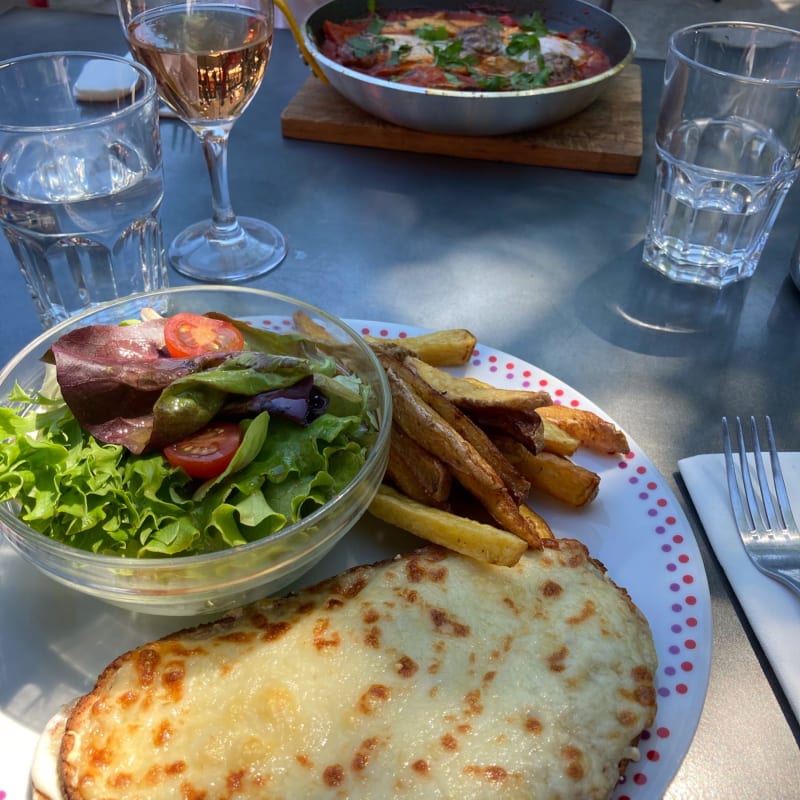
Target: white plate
54,642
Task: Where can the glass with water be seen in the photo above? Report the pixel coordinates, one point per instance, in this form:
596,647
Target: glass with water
727,144
81,179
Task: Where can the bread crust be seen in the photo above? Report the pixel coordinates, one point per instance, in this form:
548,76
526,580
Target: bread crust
463,615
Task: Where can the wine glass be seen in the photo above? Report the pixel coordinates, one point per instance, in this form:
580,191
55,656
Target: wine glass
209,58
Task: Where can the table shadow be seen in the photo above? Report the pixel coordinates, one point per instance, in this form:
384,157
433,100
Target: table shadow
55,641
637,308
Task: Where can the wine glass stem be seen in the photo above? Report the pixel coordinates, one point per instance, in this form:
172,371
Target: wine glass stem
223,219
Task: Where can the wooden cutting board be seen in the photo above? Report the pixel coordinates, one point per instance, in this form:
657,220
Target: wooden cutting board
606,137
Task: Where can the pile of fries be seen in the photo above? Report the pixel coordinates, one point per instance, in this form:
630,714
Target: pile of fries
464,455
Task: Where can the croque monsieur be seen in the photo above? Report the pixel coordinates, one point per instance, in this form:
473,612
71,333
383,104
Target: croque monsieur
426,676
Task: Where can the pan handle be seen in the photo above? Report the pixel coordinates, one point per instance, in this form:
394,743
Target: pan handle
283,7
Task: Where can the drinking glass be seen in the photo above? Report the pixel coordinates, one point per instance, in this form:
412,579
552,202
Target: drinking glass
209,59
727,149
81,180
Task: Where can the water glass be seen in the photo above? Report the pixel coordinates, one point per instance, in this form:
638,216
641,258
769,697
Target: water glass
727,144
81,179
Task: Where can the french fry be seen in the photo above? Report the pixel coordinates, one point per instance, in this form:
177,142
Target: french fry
345,352
418,474
525,427
556,440
469,394
516,484
587,427
565,428
542,528
468,537
447,348
511,411
311,329
431,431
497,443
465,505
478,382
556,475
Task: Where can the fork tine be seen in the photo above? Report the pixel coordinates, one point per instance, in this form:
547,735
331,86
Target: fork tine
784,506
743,521
770,518
753,512
775,555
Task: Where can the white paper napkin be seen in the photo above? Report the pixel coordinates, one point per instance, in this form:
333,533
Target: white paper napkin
102,81
772,609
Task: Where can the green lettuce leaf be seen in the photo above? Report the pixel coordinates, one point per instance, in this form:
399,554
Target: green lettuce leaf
102,498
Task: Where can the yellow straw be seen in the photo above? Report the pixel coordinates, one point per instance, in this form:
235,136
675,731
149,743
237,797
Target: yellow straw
295,28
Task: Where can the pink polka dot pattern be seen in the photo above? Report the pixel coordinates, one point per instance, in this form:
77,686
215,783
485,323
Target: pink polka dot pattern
681,621
676,561
277,324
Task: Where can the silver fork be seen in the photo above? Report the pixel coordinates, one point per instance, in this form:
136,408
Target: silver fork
766,525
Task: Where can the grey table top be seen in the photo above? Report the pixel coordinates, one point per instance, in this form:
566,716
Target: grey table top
542,263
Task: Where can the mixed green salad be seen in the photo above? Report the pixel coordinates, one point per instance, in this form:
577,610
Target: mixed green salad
180,436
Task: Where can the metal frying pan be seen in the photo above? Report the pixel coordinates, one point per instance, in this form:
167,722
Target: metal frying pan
473,113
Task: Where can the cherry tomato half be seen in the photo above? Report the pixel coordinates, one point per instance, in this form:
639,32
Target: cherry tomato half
189,335
206,453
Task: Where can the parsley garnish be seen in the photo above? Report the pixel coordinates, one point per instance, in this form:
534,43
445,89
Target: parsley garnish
492,83
521,43
398,55
449,56
364,46
375,25
530,80
433,33
534,23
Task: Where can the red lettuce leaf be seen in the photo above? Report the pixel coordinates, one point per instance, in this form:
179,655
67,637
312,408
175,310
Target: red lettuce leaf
301,403
111,377
123,388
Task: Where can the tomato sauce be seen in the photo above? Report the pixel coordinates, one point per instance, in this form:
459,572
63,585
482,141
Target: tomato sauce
463,50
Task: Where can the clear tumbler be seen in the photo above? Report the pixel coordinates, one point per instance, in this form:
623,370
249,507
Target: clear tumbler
727,144
81,179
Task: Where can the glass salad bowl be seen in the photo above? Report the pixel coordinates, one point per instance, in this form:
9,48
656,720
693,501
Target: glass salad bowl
248,554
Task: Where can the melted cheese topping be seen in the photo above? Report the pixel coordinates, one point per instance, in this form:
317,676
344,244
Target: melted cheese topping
429,676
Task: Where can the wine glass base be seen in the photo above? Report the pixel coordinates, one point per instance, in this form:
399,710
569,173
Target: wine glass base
253,250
